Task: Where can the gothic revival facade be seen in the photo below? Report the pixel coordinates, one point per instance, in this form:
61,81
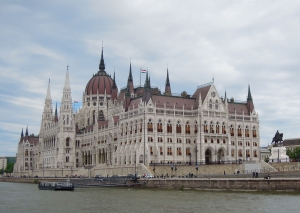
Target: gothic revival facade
141,125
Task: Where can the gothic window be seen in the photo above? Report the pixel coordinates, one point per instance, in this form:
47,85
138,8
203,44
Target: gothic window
161,150
240,153
231,130
151,150
246,131
223,128
254,132
169,151
68,142
196,128
217,128
248,153
64,119
216,105
210,104
211,129
88,121
187,128
255,153
232,152
150,126
188,151
169,127
239,131
179,153
178,127
101,116
205,127
218,141
136,126
159,126
141,125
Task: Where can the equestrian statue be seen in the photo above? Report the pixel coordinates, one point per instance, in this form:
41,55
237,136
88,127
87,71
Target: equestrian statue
277,138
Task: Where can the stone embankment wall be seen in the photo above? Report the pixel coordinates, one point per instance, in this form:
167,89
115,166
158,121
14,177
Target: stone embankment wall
289,166
225,184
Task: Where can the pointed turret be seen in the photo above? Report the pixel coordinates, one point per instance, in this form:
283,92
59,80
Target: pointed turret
168,87
249,98
147,90
250,104
114,92
130,81
102,65
22,134
66,107
26,134
225,97
48,96
48,111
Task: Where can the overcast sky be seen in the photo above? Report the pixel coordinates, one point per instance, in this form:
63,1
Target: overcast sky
235,42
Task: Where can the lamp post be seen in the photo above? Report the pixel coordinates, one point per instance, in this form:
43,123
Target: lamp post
190,154
197,169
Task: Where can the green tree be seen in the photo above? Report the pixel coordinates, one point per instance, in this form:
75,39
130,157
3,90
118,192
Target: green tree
294,154
9,167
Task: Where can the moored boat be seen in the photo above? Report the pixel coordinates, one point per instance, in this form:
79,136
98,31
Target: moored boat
63,186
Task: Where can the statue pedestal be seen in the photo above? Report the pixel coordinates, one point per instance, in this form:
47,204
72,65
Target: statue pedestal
278,154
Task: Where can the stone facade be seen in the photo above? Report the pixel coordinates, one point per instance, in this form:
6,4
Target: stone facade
141,125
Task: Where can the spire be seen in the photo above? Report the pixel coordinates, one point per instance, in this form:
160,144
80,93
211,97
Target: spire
225,97
147,82
67,81
26,134
168,87
130,74
22,134
114,81
249,94
102,65
48,91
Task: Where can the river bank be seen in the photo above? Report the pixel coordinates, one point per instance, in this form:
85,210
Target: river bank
258,184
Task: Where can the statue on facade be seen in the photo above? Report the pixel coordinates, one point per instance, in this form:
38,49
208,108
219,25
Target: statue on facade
277,138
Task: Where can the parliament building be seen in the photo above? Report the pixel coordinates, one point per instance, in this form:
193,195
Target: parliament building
118,128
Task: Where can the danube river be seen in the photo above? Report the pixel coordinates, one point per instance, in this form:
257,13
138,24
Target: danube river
22,197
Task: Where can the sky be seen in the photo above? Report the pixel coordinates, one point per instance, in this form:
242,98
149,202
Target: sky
236,43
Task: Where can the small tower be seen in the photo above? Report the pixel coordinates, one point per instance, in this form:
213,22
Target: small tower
130,81
168,87
48,111
250,104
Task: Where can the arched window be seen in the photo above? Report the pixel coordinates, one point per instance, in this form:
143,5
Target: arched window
188,151
179,151
169,151
68,142
101,116
94,117
210,104
150,126
178,127
223,128
205,127
169,127
248,153
151,150
254,132
240,153
217,128
246,131
211,129
67,159
159,126
231,130
232,152
239,131
216,105
187,128
196,127
161,150
255,153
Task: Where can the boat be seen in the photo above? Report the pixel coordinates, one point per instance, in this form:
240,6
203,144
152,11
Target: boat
62,186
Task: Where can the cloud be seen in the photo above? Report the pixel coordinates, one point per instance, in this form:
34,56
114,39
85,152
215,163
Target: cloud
236,43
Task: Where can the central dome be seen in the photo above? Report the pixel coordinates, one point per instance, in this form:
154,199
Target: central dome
101,83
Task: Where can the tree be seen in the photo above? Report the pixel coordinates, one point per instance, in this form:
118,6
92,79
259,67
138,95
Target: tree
294,154
9,167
